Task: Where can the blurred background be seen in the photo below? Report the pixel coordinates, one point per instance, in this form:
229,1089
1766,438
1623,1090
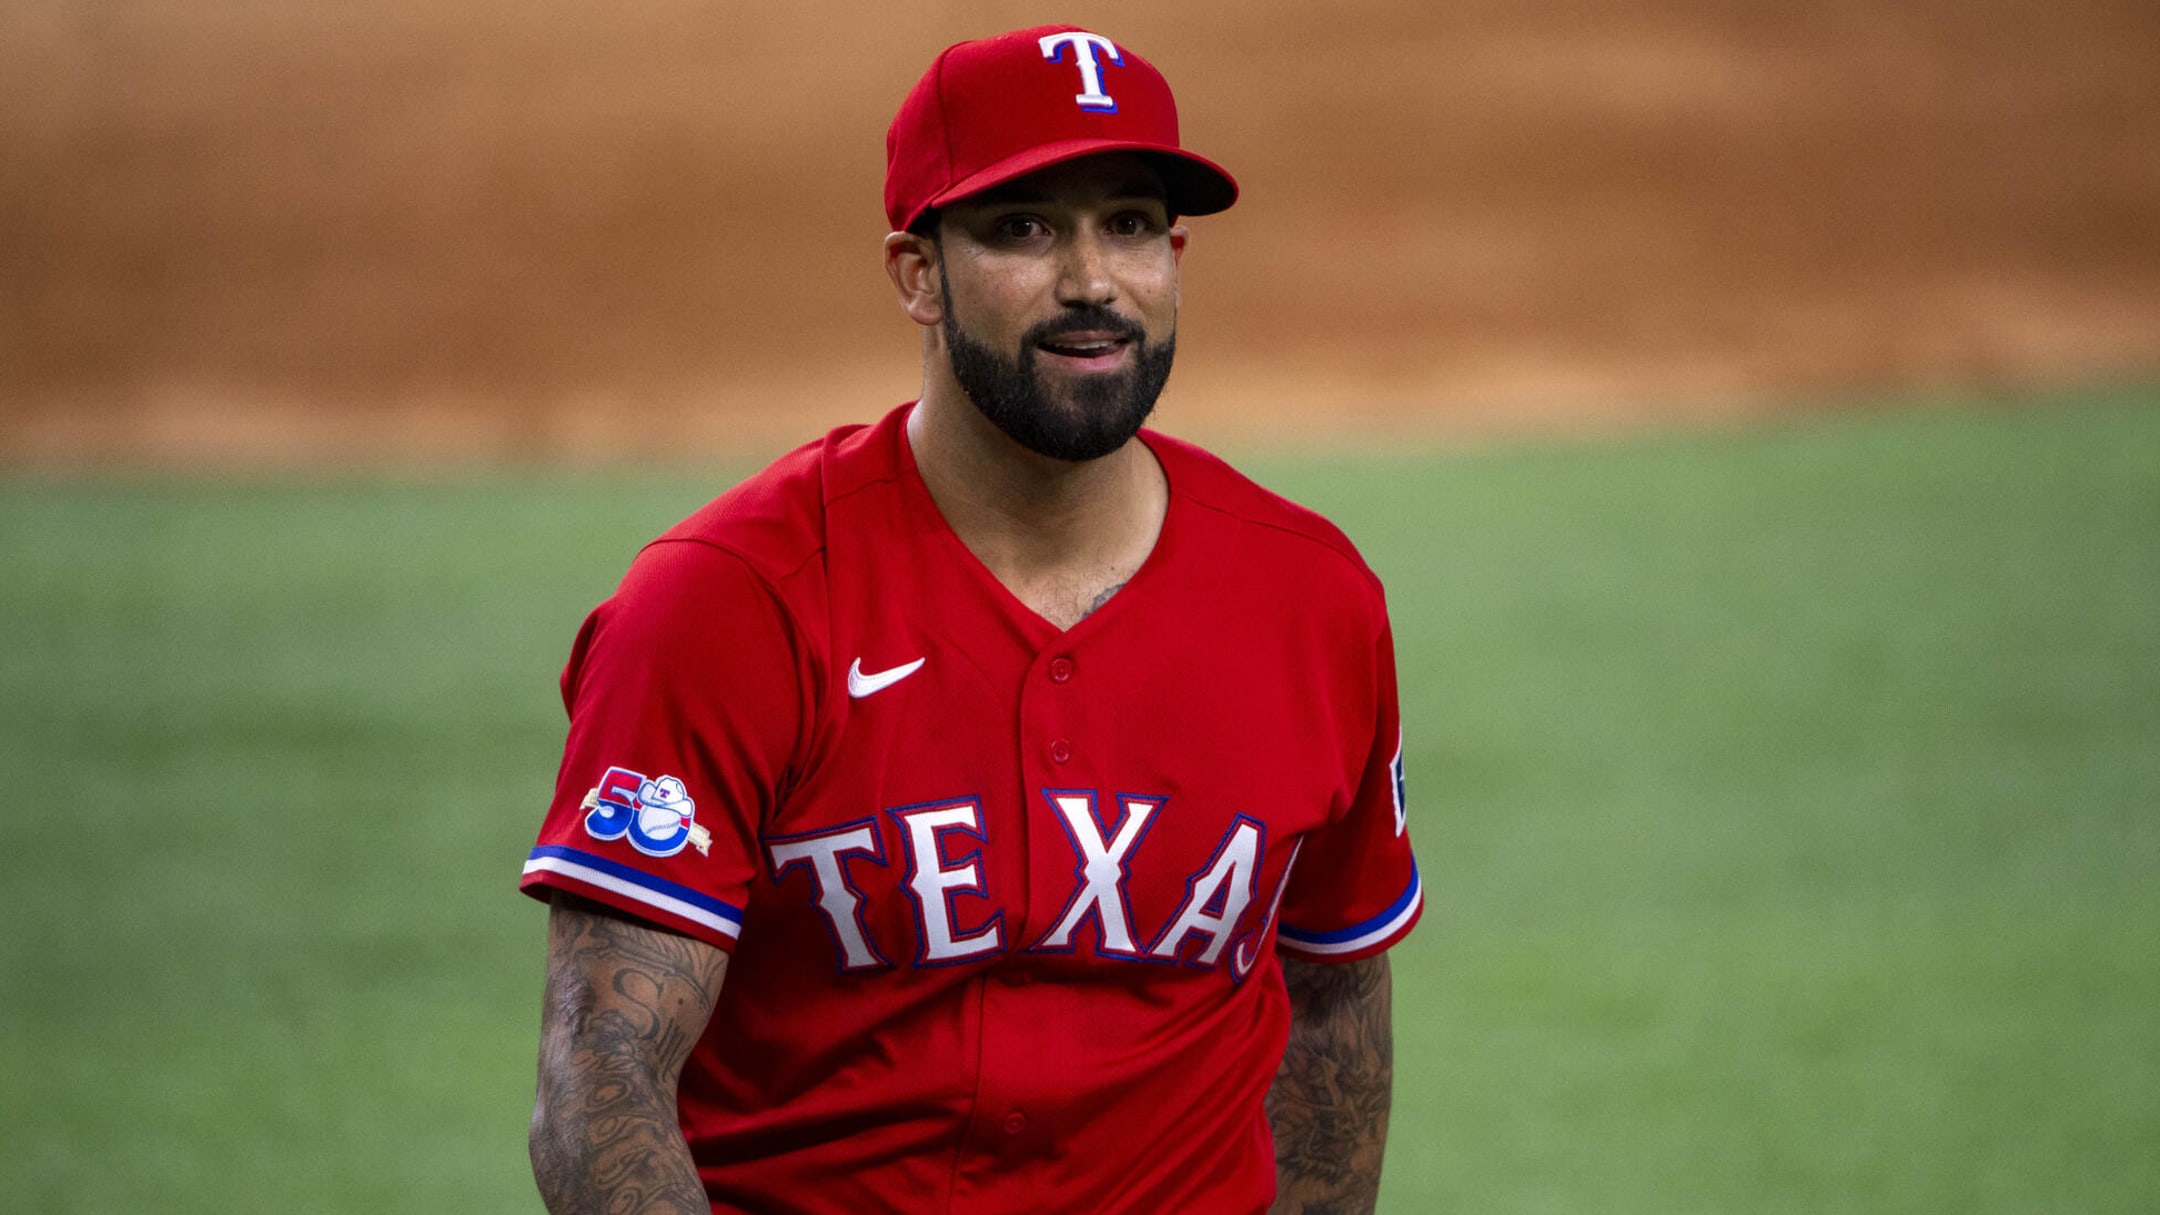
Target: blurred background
244,231
1754,412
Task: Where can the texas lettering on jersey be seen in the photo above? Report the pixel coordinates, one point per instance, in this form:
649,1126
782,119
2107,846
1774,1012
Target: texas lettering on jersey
939,844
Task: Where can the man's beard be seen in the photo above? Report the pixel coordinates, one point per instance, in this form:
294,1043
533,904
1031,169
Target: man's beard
1101,412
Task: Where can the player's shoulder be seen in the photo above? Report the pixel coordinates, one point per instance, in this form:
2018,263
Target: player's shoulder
1294,534
774,522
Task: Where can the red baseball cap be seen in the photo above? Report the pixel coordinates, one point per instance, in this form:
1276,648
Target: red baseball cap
998,108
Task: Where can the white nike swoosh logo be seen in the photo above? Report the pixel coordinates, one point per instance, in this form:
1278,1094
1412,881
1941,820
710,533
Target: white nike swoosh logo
860,685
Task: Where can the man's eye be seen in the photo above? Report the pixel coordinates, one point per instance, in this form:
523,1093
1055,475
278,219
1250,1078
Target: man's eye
1019,227
1132,223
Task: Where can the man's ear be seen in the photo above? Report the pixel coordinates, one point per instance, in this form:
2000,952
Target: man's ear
1179,234
911,262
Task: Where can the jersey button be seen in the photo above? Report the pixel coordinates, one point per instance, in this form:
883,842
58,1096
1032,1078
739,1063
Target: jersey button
1015,1122
1060,670
1060,751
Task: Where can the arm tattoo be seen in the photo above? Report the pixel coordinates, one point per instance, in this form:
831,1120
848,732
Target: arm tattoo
1329,1103
1103,599
625,1003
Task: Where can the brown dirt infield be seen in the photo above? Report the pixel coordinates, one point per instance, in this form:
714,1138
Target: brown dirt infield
249,231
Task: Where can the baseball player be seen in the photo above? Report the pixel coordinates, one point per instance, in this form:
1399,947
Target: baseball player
996,807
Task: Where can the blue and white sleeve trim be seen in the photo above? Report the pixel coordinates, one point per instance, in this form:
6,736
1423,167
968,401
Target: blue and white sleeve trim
1378,930
637,886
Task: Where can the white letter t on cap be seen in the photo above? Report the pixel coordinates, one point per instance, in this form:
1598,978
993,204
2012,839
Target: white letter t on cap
1083,45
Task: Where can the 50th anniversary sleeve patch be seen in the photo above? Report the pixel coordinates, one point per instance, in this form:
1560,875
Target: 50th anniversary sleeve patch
656,815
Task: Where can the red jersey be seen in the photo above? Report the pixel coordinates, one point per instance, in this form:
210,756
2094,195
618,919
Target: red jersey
1003,902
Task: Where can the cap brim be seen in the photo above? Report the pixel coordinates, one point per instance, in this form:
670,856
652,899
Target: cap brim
1193,185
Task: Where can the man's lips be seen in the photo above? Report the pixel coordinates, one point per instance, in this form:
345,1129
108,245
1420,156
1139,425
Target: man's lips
1089,347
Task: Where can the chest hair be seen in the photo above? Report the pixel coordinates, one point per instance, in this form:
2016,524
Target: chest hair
1066,602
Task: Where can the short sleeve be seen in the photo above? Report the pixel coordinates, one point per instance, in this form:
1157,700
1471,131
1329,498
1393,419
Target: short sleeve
685,695
1354,888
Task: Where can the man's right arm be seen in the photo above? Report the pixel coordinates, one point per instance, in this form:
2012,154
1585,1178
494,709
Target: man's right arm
625,1003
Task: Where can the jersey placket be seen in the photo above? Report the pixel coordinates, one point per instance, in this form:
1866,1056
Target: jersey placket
1014,1121
1017,1121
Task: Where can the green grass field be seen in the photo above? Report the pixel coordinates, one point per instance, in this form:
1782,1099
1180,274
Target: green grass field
1789,802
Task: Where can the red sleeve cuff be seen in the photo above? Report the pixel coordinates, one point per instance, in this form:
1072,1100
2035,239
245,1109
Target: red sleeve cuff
1361,940
629,889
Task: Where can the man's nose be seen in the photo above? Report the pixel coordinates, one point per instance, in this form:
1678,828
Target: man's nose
1084,271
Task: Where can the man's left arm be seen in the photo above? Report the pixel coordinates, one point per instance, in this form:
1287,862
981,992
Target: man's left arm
1328,1106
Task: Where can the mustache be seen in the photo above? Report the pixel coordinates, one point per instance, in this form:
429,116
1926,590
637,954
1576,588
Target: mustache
1088,319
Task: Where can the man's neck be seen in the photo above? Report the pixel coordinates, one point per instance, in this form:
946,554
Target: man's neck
1062,536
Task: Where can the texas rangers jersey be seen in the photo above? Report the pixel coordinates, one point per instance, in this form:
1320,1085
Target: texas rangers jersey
1003,902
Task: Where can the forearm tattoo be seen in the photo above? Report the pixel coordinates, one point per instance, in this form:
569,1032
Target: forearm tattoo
624,1005
1328,1106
